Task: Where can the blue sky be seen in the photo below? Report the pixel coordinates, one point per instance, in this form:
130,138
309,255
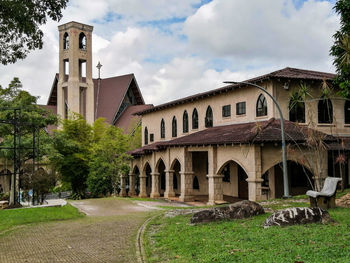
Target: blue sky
180,47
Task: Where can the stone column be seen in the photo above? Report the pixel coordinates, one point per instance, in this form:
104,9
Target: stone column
155,185
186,187
122,186
215,189
169,184
143,190
254,188
132,185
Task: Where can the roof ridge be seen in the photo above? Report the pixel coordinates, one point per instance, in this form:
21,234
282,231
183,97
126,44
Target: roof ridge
130,74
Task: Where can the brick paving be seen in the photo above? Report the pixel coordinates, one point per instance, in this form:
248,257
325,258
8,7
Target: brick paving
109,237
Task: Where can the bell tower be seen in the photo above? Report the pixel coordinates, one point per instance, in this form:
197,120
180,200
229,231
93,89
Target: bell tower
75,88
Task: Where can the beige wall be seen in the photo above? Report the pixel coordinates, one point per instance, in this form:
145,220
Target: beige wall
255,160
248,94
311,114
74,84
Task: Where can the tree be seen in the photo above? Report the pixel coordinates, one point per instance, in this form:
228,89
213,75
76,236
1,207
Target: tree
71,152
15,97
41,183
136,137
108,158
19,26
90,156
341,48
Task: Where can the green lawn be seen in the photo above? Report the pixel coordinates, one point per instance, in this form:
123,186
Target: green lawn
15,217
175,240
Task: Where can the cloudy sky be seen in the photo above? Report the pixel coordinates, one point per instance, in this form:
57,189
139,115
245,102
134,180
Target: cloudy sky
181,47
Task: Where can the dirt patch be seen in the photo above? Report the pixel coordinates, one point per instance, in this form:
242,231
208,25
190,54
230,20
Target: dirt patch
108,207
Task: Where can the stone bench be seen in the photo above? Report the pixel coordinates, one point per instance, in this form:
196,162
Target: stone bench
326,198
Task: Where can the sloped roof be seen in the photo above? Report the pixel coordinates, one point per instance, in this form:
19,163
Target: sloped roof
109,97
109,94
127,119
288,73
242,133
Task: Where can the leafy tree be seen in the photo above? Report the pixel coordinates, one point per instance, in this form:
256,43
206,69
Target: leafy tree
341,48
108,158
15,97
136,137
70,153
19,26
41,182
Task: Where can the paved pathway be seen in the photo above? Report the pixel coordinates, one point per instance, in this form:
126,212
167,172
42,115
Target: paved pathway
107,234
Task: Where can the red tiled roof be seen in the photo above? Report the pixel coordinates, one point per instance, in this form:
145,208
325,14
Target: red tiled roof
289,73
111,94
128,120
146,149
242,133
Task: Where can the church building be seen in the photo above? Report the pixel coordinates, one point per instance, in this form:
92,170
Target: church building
74,89
225,144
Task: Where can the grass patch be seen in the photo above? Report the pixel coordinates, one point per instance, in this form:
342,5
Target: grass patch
175,240
340,193
16,217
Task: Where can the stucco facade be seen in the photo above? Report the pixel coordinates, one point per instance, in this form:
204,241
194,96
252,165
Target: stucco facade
221,171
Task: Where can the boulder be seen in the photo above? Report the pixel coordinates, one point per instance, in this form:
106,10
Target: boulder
298,216
343,201
239,210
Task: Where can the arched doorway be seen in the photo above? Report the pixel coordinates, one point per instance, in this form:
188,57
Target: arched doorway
234,181
148,172
161,171
300,179
242,183
176,167
136,173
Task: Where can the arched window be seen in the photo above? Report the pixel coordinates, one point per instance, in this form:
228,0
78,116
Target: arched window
297,111
261,106
65,41
195,119
82,41
185,122
209,117
195,184
174,127
162,129
146,136
325,111
347,112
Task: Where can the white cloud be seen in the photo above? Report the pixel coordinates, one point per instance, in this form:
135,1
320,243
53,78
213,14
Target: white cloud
153,9
270,31
253,37
187,76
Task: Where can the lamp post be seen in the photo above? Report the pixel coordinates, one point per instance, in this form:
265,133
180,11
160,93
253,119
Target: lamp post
284,152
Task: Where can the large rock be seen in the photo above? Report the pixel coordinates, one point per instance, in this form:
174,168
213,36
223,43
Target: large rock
297,216
237,210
